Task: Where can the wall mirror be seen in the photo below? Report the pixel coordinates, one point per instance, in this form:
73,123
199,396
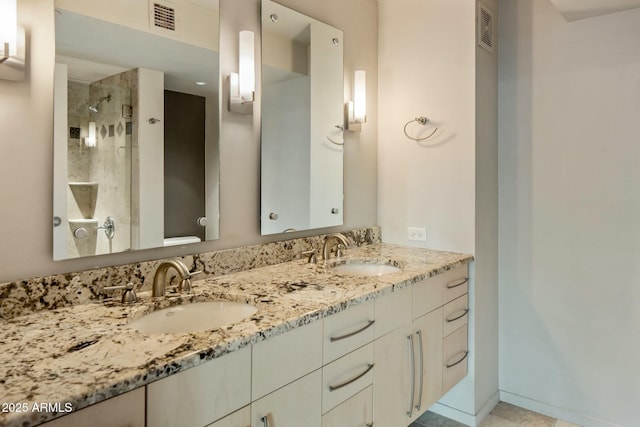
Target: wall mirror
136,125
302,122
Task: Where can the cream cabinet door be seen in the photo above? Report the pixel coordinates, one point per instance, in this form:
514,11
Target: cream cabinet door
393,378
294,405
201,395
427,333
125,410
283,359
240,418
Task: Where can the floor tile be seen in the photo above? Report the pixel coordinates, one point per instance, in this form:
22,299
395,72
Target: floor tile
521,416
503,415
493,421
430,419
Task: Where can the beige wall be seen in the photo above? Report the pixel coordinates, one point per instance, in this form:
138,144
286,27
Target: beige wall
427,68
430,66
26,145
570,213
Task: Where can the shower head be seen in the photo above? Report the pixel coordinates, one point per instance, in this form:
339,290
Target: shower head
96,107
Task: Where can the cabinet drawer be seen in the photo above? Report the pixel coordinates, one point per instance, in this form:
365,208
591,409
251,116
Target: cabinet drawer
201,395
346,376
455,282
348,330
427,296
455,353
355,412
297,404
456,314
392,311
285,358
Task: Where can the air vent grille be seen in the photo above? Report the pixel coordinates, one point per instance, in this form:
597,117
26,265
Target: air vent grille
486,36
164,17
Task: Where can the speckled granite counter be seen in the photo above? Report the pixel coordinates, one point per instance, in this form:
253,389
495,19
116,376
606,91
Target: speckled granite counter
86,353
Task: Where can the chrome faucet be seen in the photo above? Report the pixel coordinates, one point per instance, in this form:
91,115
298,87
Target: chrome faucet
160,278
326,247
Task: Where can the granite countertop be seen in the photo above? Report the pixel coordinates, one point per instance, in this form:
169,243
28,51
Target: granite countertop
84,354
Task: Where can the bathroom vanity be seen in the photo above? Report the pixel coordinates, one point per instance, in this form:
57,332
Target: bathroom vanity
324,347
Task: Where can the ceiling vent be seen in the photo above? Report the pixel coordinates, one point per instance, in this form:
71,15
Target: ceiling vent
163,16
486,32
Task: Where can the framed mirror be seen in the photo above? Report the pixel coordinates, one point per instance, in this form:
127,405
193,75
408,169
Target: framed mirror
136,125
302,122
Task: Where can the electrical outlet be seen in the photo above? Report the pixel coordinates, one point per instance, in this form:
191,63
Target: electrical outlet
417,233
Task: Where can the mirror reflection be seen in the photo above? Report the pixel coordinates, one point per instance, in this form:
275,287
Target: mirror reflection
302,122
136,159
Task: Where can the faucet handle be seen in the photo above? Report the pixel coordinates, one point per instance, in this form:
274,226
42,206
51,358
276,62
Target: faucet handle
185,283
313,259
194,273
129,294
340,250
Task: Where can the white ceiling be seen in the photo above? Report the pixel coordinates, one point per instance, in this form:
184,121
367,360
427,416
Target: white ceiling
95,49
572,10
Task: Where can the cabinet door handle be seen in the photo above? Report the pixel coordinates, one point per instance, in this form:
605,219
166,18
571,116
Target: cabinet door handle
420,372
354,379
265,421
457,362
413,375
341,337
454,284
453,319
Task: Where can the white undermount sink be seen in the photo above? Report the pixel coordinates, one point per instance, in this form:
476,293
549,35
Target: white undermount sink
364,268
199,316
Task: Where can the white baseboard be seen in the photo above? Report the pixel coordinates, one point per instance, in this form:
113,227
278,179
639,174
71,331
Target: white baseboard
554,411
463,417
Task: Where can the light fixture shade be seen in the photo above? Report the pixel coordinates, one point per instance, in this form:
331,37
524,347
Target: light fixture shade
247,68
360,97
8,28
90,140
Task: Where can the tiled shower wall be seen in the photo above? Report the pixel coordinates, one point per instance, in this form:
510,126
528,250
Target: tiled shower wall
108,163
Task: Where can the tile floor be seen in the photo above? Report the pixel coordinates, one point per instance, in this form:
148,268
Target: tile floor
503,415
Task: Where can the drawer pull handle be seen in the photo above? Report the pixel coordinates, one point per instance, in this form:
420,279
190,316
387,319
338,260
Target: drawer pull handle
419,404
453,319
265,421
464,356
354,379
413,375
456,284
341,337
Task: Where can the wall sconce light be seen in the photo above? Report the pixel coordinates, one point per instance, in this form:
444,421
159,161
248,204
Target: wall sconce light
242,85
90,140
357,109
12,42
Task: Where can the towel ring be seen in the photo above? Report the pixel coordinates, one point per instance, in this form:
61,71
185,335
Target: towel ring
334,142
423,121
341,128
